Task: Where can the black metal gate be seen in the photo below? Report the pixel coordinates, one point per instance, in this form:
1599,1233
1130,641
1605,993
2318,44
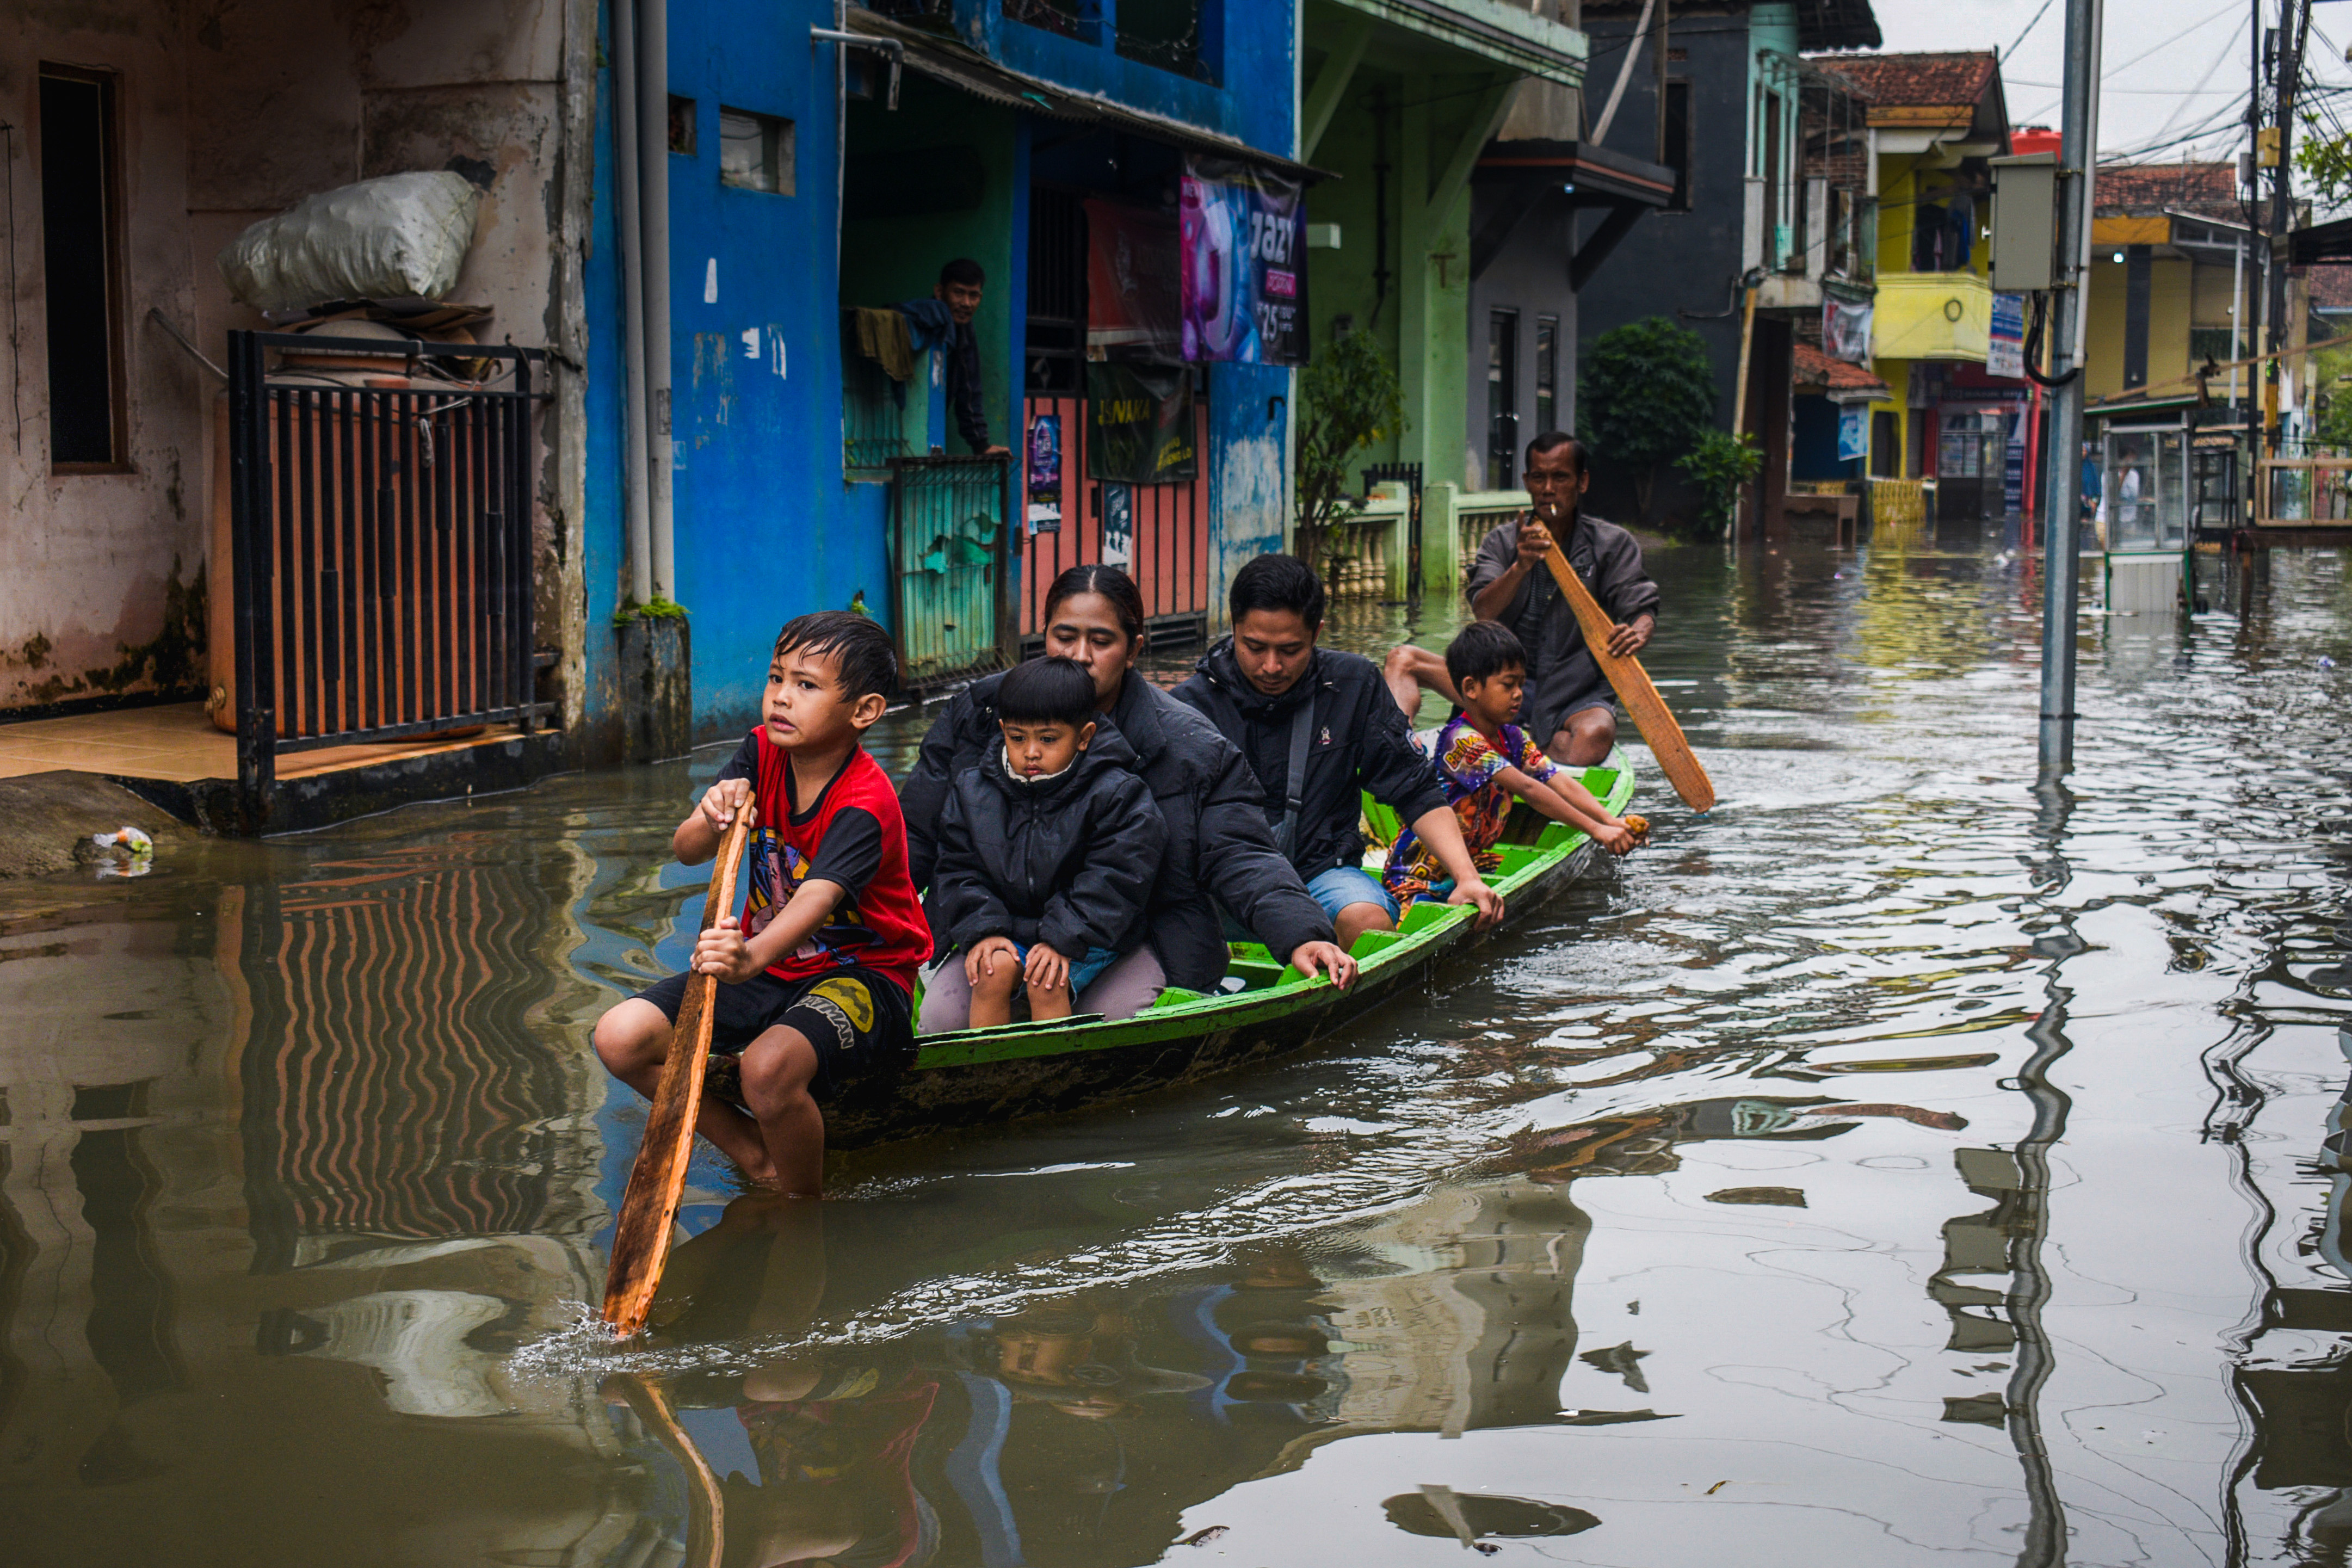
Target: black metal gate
380,533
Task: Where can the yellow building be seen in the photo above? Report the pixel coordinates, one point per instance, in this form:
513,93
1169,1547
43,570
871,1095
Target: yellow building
2175,286
2165,274
1935,120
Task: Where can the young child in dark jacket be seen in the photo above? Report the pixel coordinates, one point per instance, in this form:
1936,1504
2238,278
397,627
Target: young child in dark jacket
1047,850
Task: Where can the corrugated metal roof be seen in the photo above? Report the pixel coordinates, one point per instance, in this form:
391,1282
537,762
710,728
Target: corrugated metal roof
968,70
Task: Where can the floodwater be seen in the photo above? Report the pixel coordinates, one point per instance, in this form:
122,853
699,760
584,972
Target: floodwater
1896,1167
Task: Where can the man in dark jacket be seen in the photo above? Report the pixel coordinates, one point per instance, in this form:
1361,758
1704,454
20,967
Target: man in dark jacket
1320,729
1219,852
958,289
1568,703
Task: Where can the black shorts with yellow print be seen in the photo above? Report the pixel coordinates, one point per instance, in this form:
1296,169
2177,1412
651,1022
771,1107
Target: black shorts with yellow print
860,1022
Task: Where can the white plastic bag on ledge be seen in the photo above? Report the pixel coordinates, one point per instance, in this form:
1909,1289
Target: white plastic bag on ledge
400,236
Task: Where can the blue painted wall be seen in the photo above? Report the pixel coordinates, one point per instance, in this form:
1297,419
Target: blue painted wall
1250,45
605,530
1251,48
766,527
755,363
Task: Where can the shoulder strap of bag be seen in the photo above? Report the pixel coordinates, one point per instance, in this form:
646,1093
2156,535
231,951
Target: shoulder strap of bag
1294,784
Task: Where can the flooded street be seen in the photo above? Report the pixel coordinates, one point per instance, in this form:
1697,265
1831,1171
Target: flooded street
1895,1167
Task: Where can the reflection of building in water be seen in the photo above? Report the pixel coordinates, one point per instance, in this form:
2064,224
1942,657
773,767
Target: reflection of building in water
283,1329
384,1095
2298,1387
1977,1247
1475,1328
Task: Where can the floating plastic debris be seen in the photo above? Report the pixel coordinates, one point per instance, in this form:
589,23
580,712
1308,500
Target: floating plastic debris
125,852
125,837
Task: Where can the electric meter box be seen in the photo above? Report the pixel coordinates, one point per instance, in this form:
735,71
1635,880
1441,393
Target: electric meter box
2024,222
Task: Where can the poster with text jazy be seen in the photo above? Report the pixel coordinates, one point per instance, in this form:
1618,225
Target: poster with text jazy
1244,235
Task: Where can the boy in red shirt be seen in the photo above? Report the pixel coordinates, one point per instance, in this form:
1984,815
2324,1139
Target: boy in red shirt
820,970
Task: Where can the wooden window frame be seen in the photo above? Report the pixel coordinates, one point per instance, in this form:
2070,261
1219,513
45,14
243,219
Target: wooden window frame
117,293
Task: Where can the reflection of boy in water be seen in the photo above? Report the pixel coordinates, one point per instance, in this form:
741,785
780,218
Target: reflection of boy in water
834,1440
836,1481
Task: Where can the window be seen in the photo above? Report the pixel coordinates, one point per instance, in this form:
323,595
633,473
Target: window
1547,373
1675,154
755,152
681,125
1056,331
2216,345
1502,400
1180,35
1079,19
81,261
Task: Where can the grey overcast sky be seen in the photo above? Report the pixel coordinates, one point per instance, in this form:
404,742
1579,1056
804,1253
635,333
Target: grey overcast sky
2171,68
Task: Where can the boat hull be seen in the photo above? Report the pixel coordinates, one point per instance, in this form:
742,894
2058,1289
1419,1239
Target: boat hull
978,1078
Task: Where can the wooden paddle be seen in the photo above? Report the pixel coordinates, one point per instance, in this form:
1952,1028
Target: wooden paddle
641,1239
1675,759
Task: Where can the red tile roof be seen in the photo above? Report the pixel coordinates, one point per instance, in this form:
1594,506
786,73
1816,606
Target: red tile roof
2210,189
1915,81
1816,369
2331,286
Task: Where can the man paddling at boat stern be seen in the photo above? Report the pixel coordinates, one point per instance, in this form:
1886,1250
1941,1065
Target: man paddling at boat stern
1319,732
1567,701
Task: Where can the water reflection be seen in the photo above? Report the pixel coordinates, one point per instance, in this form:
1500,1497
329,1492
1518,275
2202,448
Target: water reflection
1077,1430
1896,1166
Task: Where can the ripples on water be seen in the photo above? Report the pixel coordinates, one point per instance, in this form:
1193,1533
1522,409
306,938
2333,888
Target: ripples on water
1896,1166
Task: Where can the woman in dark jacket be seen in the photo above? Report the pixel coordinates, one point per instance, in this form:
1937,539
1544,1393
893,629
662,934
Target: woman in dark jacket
1219,849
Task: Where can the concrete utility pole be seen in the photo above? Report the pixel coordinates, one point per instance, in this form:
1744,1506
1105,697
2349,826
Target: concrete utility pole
2061,566
2295,27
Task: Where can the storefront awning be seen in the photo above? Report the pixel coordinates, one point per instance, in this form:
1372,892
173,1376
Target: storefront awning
968,70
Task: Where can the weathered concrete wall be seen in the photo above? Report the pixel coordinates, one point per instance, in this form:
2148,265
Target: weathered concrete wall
102,590
231,114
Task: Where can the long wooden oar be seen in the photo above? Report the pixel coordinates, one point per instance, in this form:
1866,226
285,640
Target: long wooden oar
641,1239
1634,688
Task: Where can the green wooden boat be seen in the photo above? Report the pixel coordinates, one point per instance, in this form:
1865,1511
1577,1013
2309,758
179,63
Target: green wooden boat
986,1076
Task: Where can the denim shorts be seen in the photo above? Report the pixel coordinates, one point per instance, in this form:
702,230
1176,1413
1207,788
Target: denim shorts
1343,885
1085,969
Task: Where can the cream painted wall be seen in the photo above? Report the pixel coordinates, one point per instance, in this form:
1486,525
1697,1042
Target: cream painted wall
229,115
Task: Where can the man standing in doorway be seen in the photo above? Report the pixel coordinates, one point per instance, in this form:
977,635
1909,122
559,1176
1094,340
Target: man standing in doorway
958,289
1568,699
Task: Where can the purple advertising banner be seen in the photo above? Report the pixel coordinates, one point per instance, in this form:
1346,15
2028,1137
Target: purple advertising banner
1244,234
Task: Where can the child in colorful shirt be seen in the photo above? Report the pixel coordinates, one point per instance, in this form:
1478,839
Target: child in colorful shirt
1483,760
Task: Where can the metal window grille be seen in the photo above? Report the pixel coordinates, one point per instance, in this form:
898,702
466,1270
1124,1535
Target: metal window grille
381,549
1080,19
